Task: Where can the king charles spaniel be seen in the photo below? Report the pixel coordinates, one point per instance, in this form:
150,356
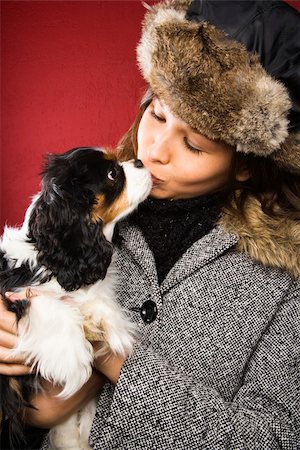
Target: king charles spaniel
64,246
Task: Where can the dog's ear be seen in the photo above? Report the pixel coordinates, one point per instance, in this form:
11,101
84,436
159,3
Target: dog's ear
68,243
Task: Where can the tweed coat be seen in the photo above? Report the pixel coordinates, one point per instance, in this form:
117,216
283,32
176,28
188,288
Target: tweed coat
219,367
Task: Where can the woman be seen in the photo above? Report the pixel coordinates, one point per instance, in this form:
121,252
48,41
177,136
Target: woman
209,264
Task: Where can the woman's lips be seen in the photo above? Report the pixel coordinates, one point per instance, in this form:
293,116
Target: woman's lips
156,181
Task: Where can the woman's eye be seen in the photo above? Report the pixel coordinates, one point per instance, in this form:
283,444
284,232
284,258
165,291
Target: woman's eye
112,174
156,117
191,147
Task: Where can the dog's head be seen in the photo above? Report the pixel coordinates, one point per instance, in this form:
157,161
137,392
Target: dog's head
84,192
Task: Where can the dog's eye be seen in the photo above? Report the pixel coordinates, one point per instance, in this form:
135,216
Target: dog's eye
112,174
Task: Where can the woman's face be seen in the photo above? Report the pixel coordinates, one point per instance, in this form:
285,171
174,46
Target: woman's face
183,163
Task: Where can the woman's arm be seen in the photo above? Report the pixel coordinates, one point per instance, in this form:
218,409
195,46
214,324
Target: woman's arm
51,410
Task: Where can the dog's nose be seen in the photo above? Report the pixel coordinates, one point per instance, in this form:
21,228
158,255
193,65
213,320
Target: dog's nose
138,163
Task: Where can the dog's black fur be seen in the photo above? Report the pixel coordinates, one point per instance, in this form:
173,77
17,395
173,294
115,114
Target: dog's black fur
69,244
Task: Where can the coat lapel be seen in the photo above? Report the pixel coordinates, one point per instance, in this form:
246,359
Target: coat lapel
216,242
271,241
203,251
134,242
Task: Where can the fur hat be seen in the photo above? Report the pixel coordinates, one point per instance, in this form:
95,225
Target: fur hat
216,85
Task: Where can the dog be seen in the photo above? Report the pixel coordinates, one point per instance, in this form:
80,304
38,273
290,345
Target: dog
64,246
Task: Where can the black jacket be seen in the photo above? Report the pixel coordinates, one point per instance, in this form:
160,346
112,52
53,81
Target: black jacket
269,28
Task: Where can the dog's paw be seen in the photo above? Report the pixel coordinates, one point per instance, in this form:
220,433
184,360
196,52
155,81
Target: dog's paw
120,336
111,326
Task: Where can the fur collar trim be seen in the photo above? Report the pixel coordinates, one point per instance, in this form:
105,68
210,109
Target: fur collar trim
272,242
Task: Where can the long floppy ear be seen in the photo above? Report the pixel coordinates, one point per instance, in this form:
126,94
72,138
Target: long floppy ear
72,247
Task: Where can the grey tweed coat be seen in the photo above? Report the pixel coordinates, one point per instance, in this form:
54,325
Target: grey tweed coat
219,367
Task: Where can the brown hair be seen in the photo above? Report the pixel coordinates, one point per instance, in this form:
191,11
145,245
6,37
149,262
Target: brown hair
277,189
127,147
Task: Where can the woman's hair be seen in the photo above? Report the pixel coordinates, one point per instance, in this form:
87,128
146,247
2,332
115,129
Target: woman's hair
127,147
277,189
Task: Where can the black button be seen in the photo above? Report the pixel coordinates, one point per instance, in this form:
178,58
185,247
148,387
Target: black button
149,311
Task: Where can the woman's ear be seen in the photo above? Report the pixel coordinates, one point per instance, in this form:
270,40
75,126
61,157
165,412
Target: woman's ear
243,174
241,166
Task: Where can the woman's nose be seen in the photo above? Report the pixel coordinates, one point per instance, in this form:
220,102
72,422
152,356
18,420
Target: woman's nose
160,150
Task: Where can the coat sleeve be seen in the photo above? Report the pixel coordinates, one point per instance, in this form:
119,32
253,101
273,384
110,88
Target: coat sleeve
156,405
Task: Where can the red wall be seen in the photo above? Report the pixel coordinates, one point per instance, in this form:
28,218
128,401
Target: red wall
69,78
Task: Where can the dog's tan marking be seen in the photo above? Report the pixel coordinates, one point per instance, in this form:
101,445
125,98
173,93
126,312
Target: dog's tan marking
109,156
92,332
109,213
15,386
97,332
98,208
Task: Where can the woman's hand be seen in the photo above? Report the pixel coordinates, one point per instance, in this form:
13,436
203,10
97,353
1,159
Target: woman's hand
9,365
110,365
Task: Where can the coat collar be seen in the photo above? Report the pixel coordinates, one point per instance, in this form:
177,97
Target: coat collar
203,251
206,249
274,242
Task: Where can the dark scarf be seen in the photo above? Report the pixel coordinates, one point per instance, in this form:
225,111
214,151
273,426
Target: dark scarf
170,227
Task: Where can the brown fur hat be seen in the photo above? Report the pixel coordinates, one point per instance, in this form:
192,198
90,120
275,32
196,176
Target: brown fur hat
215,85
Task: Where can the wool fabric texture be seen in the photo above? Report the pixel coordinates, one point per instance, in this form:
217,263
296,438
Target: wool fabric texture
177,224
219,367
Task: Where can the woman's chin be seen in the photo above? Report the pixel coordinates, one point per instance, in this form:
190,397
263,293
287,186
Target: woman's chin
161,194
